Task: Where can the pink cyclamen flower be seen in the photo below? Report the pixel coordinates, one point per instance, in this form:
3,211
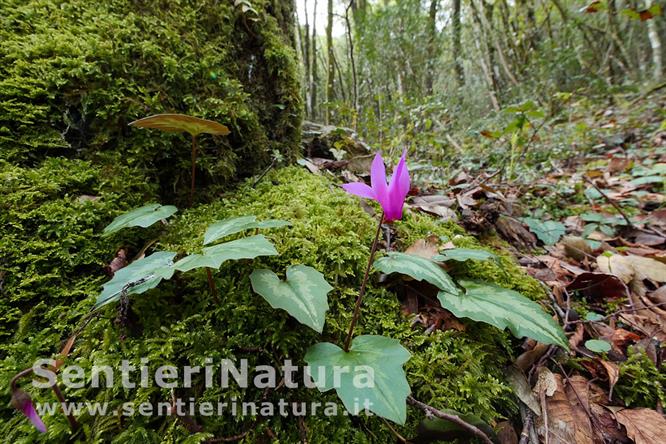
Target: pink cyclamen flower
392,196
22,402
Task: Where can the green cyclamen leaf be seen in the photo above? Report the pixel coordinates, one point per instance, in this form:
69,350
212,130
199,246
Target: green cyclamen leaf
417,267
597,345
385,392
138,277
143,217
463,254
548,232
234,225
303,295
504,308
213,257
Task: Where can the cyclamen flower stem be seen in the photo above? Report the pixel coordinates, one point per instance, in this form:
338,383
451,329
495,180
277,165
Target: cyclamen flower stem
359,299
73,424
194,168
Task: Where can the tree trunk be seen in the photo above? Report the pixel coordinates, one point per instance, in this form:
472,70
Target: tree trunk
432,47
457,44
352,62
307,79
655,46
315,71
331,61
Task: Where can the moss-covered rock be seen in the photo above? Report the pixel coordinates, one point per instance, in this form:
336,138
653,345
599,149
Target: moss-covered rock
74,73
179,323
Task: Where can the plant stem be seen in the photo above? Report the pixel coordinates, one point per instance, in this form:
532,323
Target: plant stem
73,424
211,286
359,299
194,167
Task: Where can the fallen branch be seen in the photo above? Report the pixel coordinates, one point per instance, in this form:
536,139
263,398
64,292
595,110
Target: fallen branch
431,411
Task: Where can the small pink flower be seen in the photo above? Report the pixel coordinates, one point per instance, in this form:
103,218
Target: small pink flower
392,196
21,401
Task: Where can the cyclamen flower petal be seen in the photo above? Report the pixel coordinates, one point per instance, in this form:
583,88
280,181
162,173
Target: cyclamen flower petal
378,180
21,401
359,189
391,197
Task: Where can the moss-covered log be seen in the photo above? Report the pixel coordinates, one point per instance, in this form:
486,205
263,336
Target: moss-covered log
74,73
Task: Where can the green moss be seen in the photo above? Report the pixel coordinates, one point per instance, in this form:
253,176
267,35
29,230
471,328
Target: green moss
74,73
179,323
641,384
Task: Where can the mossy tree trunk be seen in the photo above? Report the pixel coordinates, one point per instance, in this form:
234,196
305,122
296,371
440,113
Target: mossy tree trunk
73,74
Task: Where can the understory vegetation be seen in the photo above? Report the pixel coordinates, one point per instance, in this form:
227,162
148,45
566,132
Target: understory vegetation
192,182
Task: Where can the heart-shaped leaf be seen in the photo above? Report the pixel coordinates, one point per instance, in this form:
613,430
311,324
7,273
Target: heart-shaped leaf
143,217
463,254
213,257
234,225
504,308
597,345
374,379
303,295
182,123
417,267
138,277
548,232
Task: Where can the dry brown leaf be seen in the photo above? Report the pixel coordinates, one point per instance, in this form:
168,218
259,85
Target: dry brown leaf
646,324
118,262
616,265
576,338
599,286
506,433
546,382
576,247
626,267
526,359
648,268
644,426
426,248
658,296
437,205
522,389
577,393
650,240
565,423
621,337
64,353
613,372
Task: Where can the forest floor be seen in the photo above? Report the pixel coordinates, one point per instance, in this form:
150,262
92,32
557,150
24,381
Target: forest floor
580,203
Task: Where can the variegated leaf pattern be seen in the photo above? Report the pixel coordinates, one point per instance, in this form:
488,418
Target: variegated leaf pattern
463,254
504,308
143,217
227,227
303,294
138,277
417,267
213,257
388,392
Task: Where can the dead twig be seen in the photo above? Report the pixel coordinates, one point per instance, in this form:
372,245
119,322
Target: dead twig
610,201
431,411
